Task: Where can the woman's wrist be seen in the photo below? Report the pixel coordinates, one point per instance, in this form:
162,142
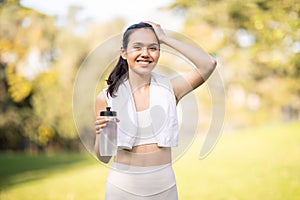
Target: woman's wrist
164,39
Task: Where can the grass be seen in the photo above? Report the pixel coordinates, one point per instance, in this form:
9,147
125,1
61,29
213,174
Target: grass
62,176
254,164
14,166
261,163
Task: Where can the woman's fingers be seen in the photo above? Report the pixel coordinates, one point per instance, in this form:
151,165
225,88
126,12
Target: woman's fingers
99,128
158,30
100,120
100,123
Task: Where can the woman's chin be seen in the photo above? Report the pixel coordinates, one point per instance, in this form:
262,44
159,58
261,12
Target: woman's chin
143,69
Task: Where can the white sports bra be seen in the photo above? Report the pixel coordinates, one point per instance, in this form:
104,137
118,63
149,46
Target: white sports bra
145,133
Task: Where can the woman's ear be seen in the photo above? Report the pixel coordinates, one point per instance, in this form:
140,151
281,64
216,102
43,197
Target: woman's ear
123,53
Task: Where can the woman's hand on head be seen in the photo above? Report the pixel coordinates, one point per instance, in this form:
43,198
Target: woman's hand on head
158,31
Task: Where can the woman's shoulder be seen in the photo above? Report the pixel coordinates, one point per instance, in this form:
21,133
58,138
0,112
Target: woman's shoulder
104,98
101,97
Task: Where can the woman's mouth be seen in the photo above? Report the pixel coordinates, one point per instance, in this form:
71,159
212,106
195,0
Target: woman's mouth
144,62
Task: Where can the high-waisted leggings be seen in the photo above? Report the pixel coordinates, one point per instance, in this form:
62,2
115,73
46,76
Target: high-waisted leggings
127,182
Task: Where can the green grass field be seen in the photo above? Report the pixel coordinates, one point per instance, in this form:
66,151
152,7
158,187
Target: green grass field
262,163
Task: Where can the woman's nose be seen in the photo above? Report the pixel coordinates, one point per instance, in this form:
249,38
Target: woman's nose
145,51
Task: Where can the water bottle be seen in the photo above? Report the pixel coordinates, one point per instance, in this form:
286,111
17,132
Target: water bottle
108,136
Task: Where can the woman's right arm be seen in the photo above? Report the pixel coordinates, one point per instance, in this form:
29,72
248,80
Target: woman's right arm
100,123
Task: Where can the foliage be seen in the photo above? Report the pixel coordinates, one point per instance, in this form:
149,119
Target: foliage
258,45
38,60
28,50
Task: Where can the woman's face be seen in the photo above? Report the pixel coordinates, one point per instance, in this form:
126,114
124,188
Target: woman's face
142,52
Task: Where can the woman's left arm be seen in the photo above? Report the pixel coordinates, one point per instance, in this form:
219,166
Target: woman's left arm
205,64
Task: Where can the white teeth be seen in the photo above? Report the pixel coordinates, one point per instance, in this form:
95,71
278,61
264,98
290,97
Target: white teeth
143,63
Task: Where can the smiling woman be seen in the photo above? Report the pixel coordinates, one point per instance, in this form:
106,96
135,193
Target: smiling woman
142,52
146,50
146,106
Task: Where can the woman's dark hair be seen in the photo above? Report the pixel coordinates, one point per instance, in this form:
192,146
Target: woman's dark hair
120,71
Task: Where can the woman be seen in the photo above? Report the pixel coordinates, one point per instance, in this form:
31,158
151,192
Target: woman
146,106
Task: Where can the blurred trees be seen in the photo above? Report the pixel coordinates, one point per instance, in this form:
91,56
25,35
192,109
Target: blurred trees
257,42
38,63
28,51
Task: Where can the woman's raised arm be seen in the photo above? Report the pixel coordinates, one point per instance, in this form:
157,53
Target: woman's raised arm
204,63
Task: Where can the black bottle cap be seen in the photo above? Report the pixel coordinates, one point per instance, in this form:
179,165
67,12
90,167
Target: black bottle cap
108,112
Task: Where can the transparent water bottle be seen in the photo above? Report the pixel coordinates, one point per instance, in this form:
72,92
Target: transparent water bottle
108,136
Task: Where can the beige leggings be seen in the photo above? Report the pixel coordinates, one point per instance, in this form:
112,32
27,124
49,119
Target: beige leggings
133,183
115,193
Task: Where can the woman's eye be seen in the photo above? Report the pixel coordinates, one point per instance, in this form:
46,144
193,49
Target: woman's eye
153,48
137,47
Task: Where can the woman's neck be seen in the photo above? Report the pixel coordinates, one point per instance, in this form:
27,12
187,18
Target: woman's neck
137,81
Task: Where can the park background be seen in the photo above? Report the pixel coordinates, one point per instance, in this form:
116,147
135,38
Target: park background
257,45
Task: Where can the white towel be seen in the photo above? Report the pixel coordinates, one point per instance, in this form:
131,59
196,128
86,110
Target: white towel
162,110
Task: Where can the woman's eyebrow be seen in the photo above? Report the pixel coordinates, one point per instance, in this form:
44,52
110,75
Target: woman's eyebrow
153,44
140,43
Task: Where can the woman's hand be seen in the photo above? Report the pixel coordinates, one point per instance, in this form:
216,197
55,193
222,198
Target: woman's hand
100,123
158,31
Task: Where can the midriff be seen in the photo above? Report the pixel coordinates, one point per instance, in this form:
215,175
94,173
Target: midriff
144,155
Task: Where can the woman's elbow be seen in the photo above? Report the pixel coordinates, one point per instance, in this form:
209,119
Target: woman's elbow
209,69
213,64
